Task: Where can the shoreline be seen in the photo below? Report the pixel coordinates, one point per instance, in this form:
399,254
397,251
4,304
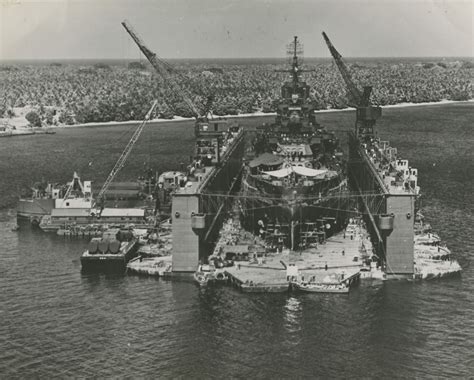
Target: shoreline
260,114
30,131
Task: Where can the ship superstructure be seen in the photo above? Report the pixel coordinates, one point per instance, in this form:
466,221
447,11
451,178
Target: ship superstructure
296,163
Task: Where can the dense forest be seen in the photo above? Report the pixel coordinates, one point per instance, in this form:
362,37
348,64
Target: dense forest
68,94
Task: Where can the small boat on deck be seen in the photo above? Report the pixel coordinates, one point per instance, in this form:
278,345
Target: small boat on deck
321,287
429,238
209,273
333,283
152,266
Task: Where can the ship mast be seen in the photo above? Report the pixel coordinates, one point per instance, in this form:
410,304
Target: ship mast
295,51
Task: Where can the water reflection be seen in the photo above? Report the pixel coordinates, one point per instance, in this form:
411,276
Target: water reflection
292,314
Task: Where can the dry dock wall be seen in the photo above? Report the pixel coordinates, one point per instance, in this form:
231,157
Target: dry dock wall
399,243
192,244
185,240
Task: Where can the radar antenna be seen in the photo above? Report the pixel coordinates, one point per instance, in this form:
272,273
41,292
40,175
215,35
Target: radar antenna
367,114
295,56
294,51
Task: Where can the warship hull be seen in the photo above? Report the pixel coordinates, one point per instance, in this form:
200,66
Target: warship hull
294,222
294,215
32,210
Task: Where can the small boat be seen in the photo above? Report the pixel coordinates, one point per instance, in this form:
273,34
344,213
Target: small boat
201,278
311,287
208,273
372,272
432,252
427,269
152,266
333,283
429,238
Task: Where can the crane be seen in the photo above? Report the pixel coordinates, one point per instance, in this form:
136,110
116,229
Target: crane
163,69
367,114
123,157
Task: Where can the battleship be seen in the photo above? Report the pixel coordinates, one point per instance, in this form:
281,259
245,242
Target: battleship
297,166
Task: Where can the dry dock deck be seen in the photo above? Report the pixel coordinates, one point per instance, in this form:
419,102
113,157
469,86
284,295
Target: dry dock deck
341,255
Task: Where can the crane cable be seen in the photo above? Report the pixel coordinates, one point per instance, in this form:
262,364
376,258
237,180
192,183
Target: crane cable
123,157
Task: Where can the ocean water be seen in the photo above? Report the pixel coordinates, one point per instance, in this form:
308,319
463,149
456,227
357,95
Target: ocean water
57,322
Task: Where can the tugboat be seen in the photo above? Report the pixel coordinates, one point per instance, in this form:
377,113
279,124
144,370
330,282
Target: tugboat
297,164
47,197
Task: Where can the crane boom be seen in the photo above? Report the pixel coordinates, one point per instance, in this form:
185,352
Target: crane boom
123,157
161,67
367,114
354,91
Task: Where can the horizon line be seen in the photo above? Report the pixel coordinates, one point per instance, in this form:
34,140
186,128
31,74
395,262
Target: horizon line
227,58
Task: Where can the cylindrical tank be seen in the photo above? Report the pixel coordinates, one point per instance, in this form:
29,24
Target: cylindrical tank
114,246
386,222
103,246
93,247
125,235
198,221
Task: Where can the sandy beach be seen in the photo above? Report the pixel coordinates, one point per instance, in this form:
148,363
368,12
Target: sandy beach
21,125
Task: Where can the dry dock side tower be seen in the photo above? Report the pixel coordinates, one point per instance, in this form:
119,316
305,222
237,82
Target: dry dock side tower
388,189
387,185
198,207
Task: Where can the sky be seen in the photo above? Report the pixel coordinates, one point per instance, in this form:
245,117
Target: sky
77,29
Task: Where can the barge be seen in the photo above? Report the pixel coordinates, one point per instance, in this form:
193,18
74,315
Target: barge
109,254
54,206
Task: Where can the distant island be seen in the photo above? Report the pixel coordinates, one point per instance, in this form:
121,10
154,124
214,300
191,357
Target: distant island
57,93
